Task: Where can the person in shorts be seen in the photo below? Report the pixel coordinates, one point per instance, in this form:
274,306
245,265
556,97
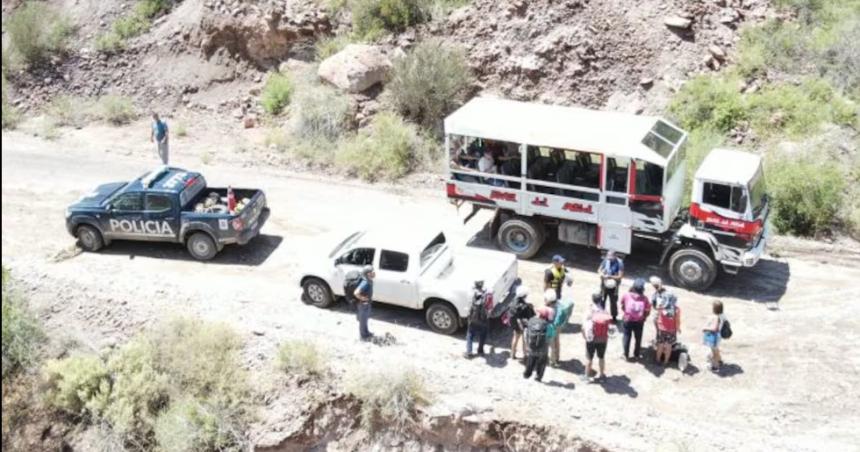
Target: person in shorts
711,334
668,323
520,314
595,331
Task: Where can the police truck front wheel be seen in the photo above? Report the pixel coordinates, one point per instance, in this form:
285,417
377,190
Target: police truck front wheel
442,318
693,269
89,238
201,246
317,293
521,236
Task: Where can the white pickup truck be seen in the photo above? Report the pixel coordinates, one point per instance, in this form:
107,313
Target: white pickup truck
414,269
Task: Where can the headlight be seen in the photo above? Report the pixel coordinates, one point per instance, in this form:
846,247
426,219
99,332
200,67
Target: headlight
68,212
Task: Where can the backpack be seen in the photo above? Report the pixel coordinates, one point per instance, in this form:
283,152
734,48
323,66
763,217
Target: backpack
536,334
478,312
600,325
634,308
726,330
350,283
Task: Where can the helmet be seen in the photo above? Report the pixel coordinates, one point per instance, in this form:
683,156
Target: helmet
550,296
655,281
522,291
610,283
639,285
366,270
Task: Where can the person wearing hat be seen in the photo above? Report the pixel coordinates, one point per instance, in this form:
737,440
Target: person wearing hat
478,320
552,310
521,311
595,331
611,271
364,296
556,275
636,308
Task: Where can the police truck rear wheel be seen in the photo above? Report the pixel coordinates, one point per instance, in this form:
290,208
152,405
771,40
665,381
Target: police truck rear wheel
442,318
202,247
317,293
89,238
692,269
521,236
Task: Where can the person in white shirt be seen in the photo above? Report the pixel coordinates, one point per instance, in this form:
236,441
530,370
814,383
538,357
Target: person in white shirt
488,165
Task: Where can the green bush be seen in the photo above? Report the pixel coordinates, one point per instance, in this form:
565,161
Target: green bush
37,32
772,46
805,193
301,358
372,18
140,390
191,425
276,93
69,111
320,113
78,385
21,332
116,110
132,25
389,397
330,45
388,149
430,82
709,102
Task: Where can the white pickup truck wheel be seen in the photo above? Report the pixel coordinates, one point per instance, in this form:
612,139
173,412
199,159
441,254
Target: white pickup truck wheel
693,269
442,318
317,293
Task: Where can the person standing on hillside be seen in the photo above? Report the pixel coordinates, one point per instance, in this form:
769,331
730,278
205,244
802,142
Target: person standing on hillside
364,295
611,271
160,136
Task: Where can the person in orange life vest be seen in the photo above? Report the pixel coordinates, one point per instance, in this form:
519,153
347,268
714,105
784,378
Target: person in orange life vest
636,308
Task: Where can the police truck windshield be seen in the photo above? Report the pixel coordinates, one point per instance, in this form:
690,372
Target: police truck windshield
190,192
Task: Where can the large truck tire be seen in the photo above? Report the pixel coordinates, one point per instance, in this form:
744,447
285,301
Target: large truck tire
521,236
693,269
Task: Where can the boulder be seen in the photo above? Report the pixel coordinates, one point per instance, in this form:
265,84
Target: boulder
355,68
677,22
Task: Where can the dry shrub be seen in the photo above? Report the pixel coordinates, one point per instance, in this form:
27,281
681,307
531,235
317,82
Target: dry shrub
389,398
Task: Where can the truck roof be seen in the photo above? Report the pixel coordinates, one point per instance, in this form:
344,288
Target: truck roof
611,133
163,179
409,238
729,166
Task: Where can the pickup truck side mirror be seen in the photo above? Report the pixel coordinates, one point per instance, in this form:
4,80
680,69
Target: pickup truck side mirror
109,206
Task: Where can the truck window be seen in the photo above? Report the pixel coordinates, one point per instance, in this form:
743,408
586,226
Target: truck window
157,203
358,256
758,194
725,196
190,192
616,174
129,202
649,179
431,249
393,261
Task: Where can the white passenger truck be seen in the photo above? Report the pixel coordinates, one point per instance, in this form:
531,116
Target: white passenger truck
599,179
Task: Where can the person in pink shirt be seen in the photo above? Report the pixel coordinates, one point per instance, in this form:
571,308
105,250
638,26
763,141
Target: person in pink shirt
668,323
636,308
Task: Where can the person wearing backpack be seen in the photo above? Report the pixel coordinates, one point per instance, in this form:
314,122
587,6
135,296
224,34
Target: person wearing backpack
595,331
537,343
715,329
668,324
636,308
562,311
478,320
520,313
364,296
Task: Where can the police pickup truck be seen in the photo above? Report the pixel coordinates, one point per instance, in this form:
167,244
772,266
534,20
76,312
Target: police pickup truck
167,205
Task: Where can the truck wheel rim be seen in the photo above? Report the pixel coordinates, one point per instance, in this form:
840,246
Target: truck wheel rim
201,247
517,241
691,270
87,238
316,294
441,319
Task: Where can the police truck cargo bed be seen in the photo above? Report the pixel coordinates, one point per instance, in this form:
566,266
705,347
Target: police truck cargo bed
168,205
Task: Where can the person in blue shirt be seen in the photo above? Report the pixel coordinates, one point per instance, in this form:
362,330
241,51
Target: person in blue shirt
611,271
364,297
160,136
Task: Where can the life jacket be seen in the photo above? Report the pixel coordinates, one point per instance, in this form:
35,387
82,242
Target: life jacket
558,275
562,315
634,306
600,326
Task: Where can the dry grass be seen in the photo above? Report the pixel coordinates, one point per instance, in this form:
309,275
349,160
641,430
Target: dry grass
389,397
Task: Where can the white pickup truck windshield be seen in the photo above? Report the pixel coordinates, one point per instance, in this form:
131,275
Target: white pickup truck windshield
431,249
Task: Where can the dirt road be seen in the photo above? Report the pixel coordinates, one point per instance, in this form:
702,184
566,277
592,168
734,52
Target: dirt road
793,364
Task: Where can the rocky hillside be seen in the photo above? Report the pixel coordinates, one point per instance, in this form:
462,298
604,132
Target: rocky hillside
211,55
